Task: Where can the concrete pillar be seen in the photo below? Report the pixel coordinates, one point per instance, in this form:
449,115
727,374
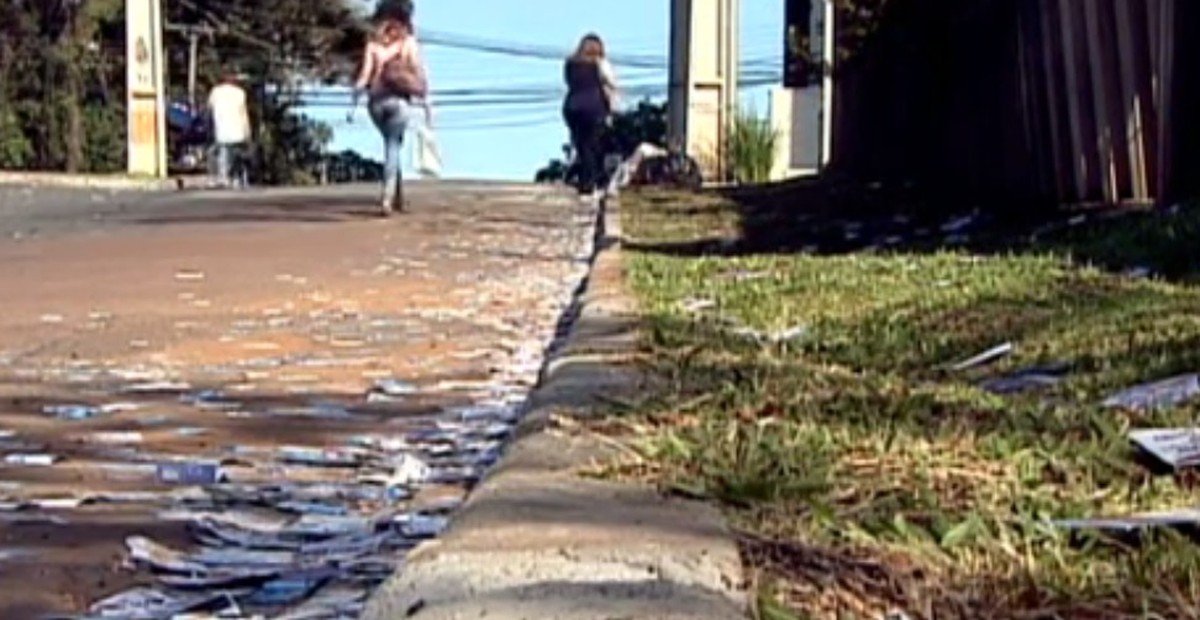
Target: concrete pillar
146,119
703,79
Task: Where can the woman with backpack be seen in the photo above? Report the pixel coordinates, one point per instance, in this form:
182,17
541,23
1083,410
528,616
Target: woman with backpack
393,76
591,97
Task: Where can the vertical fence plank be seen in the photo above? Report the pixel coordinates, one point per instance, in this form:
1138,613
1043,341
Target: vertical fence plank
1052,54
1095,73
1077,94
1043,154
1025,82
1165,72
1061,99
1137,98
1114,107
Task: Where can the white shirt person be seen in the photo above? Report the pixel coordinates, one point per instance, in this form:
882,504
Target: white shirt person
230,114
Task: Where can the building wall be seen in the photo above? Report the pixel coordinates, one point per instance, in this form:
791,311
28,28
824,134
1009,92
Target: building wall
1033,101
796,106
796,118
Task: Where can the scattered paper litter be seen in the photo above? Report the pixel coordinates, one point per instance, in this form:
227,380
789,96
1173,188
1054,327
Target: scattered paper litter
189,275
1176,447
150,604
31,459
422,526
146,551
1162,394
117,437
986,357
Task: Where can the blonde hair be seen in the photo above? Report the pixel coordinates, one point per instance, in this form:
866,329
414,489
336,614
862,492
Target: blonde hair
591,47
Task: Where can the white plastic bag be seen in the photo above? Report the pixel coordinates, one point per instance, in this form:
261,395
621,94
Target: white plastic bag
429,157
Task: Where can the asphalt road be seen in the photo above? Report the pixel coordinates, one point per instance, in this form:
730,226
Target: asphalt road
295,304
27,211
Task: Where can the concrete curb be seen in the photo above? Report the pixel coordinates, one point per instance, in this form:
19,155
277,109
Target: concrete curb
87,181
536,541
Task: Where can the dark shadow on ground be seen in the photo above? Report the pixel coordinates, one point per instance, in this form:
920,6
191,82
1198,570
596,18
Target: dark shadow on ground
827,218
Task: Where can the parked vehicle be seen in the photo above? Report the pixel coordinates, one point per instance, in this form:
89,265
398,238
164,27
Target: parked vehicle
188,136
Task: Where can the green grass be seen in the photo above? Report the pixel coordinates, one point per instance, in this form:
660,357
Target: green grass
866,475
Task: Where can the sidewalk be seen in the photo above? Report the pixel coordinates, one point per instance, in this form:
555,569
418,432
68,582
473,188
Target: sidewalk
95,181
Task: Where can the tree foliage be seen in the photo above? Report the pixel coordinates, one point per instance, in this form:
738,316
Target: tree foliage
858,22
62,75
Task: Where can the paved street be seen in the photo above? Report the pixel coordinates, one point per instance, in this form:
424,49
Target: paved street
288,335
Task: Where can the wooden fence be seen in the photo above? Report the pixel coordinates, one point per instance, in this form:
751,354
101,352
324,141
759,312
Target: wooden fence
1026,101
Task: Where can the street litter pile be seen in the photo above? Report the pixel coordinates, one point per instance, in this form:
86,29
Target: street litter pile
281,531
296,532
264,548
275,531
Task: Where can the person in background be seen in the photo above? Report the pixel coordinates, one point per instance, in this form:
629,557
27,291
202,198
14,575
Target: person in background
394,77
231,124
587,108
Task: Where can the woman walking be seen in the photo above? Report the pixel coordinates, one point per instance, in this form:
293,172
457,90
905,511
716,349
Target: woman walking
393,76
591,97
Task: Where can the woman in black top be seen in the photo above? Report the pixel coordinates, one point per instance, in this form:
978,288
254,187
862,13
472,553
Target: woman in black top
590,93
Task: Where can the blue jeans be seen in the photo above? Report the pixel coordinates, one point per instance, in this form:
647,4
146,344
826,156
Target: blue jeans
390,115
227,153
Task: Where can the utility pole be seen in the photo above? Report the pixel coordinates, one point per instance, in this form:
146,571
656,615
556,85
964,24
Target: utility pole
193,33
145,70
193,53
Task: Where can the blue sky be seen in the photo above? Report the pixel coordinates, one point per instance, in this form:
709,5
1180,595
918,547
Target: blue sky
484,139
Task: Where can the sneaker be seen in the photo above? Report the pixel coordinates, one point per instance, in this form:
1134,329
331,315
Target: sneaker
392,205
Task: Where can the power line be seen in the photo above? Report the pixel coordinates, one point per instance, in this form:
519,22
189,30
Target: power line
517,95
434,38
755,72
544,52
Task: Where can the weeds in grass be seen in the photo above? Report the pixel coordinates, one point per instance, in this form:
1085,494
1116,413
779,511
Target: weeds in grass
865,475
752,142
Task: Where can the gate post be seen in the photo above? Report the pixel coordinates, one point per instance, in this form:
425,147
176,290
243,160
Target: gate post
703,80
145,98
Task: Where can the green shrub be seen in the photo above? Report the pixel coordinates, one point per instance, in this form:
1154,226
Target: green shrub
752,143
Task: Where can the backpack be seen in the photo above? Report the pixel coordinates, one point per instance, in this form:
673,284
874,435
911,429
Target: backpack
399,76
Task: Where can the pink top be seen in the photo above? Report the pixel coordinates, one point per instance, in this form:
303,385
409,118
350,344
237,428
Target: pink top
381,54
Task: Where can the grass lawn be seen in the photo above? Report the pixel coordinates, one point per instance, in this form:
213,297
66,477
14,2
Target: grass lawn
865,475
